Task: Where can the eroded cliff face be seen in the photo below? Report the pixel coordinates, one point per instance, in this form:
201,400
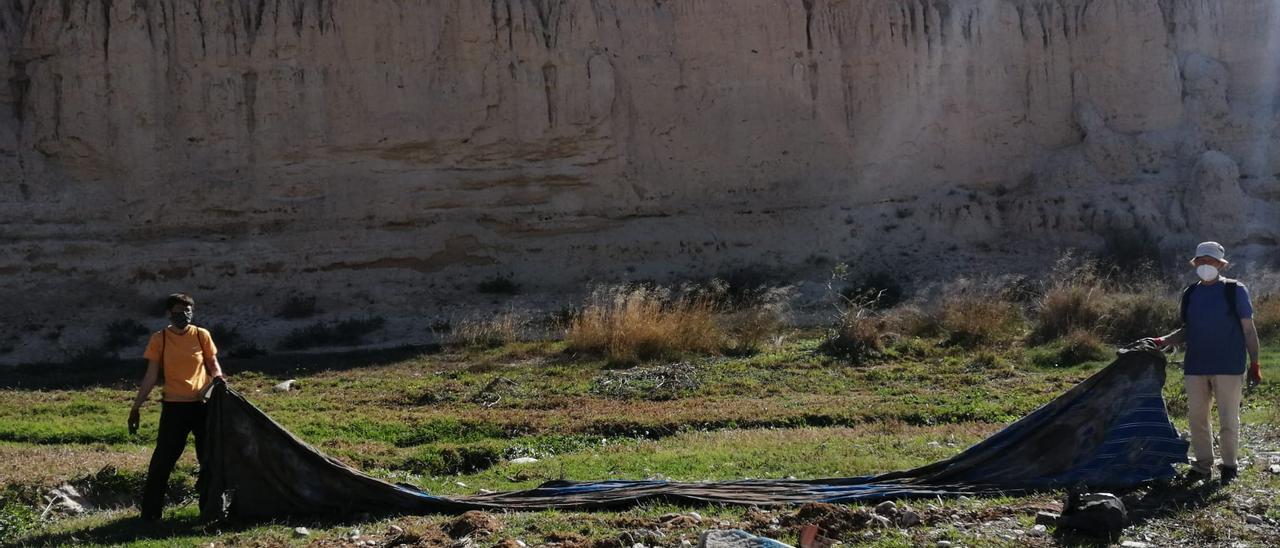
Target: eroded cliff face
387,155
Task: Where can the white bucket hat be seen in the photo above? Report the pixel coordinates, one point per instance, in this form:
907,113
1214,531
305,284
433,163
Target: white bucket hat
1211,249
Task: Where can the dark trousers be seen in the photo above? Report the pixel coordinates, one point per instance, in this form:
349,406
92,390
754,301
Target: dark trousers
177,419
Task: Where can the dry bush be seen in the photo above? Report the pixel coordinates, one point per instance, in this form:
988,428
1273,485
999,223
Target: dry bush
755,321
911,320
505,328
628,325
1266,316
1075,299
858,334
1133,315
978,312
631,324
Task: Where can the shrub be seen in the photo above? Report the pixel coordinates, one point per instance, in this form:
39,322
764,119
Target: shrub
1129,250
298,307
879,290
1266,316
912,321
1132,316
858,335
1077,347
505,328
16,518
349,332
755,321
628,325
974,313
1073,301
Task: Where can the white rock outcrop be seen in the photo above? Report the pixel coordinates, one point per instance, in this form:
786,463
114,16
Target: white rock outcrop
386,156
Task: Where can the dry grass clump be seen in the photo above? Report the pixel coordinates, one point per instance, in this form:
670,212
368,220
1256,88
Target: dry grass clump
858,334
1140,313
1266,316
631,324
1119,310
505,328
1074,299
978,312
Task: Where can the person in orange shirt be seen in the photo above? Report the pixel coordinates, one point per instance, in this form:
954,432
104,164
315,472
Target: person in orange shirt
185,357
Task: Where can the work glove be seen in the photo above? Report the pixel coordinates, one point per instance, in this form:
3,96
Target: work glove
1255,374
134,419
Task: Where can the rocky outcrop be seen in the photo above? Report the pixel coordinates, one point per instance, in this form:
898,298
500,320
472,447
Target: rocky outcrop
385,156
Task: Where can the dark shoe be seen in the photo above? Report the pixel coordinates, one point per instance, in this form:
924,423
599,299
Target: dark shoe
1194,475
1229,474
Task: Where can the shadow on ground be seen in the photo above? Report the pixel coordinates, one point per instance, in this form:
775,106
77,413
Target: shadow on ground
1161,500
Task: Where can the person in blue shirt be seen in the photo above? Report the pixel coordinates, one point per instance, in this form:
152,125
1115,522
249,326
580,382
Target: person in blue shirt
1218,331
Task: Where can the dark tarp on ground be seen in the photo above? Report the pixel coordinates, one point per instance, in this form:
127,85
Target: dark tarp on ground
1110,431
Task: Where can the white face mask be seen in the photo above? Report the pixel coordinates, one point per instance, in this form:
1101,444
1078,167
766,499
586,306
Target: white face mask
1207,272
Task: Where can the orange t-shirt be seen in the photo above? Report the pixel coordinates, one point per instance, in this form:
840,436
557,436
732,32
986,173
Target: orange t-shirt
183,367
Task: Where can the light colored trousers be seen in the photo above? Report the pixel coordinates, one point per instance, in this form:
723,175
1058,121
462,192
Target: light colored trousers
1202,390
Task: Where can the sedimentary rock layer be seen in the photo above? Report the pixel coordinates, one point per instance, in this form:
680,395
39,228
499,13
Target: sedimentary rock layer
386,155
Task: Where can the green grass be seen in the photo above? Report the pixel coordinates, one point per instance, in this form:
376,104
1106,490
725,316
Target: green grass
449,421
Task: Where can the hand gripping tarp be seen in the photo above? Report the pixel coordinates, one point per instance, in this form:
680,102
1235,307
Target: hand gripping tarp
1110,431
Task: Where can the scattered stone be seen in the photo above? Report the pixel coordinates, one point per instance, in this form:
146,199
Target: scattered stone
471,523
887,508
284,386
301,531
881,521
736,538
523,460
395,531
1101,514
1252,519
908,519
944,544
1134,544
1275,468
677,521
1038,530
1046,518
68,500
697,517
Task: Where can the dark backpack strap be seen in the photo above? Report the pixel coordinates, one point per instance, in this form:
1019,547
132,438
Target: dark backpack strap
1186,300
1229,291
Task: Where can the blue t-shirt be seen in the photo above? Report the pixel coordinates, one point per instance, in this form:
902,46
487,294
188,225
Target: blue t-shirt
1215,338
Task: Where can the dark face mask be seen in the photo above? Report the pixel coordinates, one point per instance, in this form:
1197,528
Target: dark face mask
180,319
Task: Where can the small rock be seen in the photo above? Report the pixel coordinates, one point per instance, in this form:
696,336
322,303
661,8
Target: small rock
284,386
353,535
887,508
944,544
696,516
1252,519
908,518
1134,544
523,460
1038,530
301,531
1274,468
69,500
1046,518
395,530
459,484
881,521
